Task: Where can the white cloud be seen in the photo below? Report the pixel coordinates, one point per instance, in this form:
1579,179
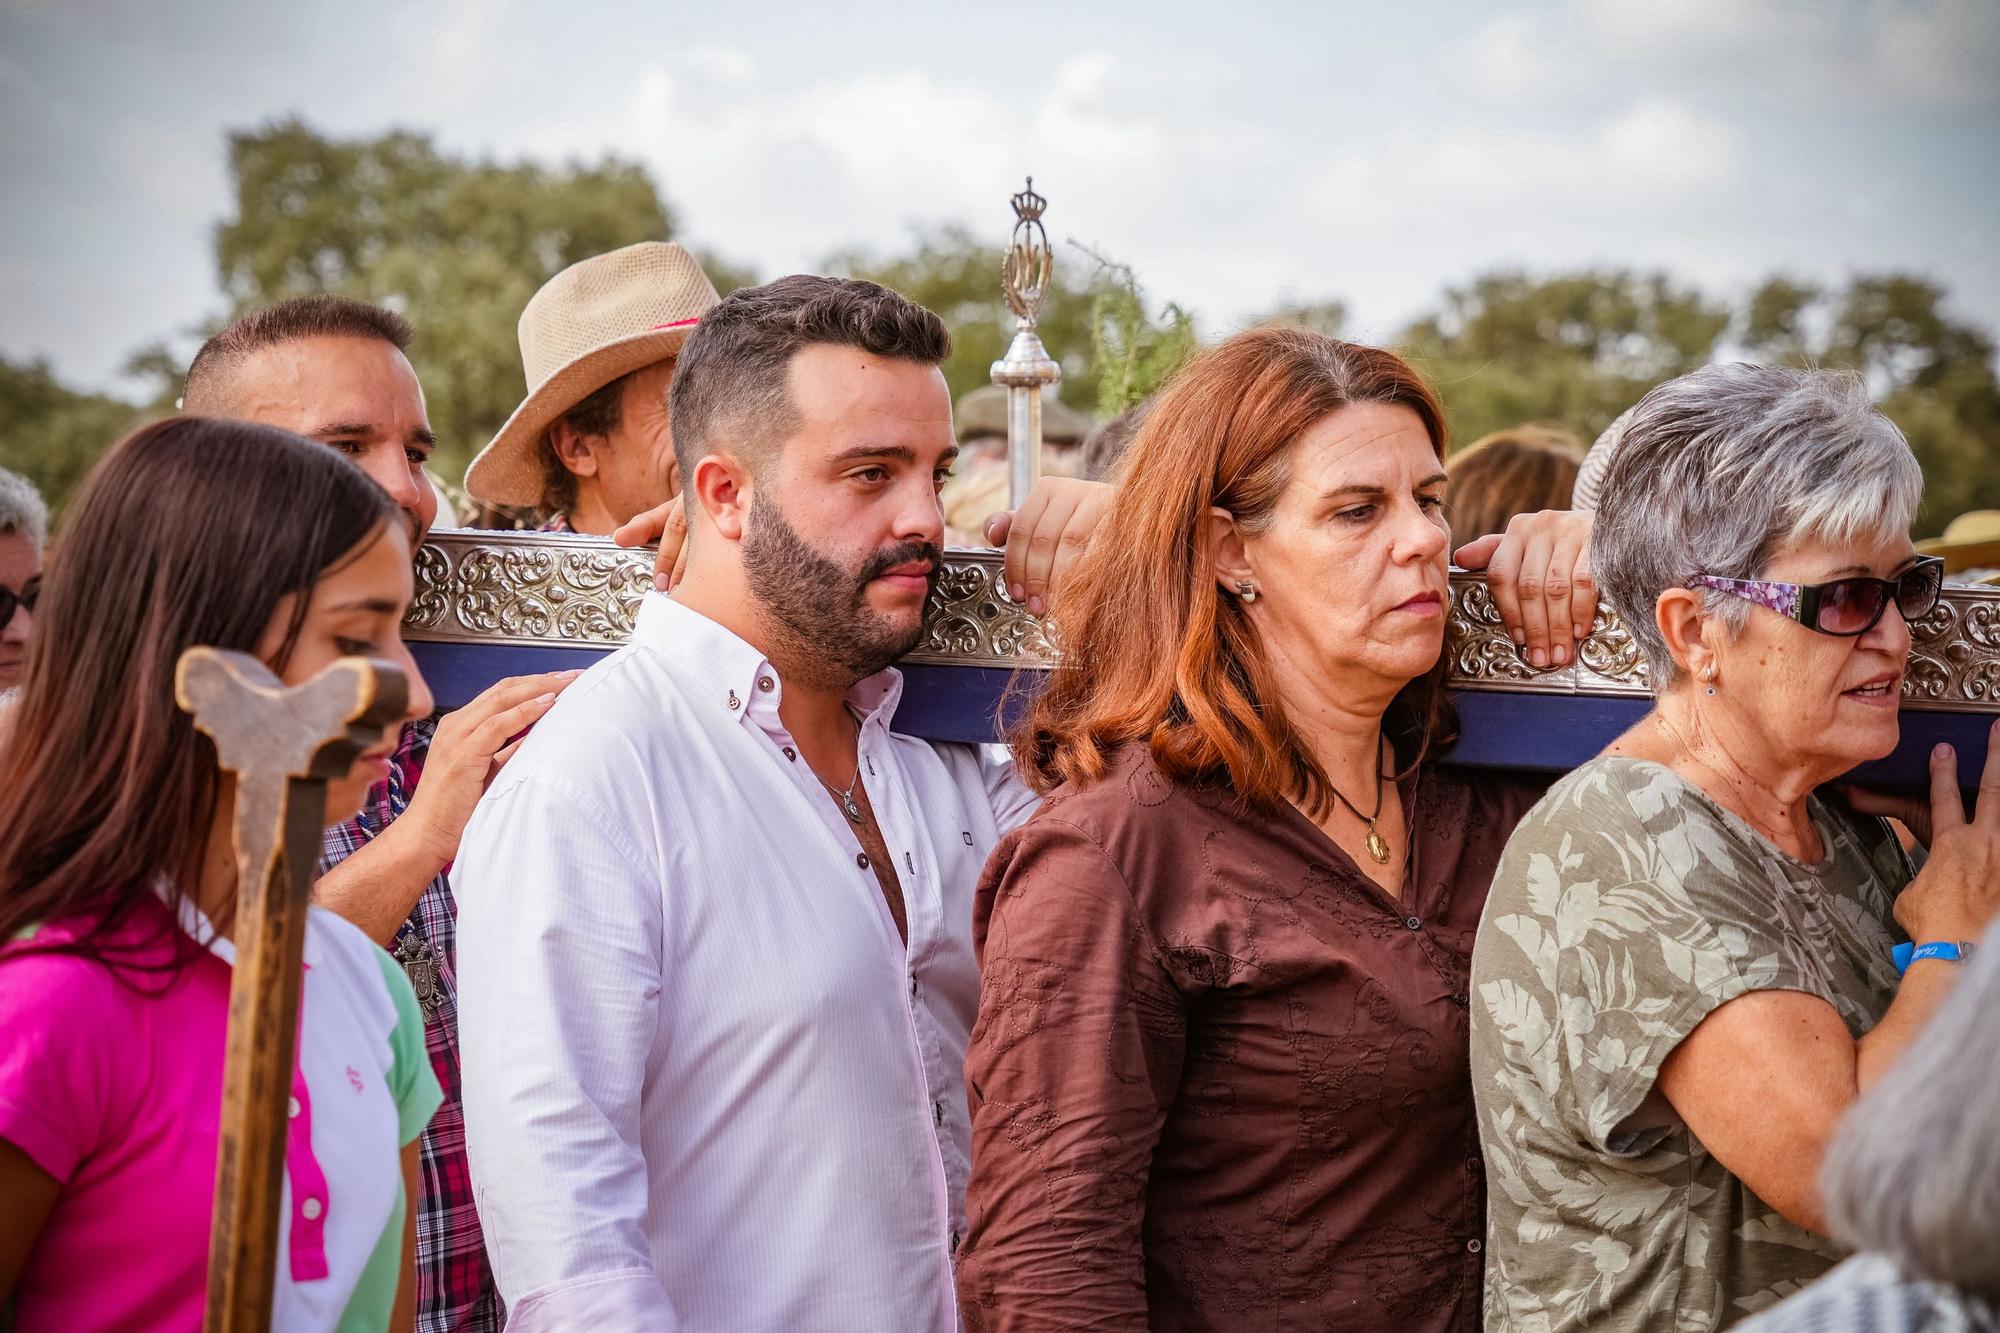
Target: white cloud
1820,53
1172,173
861,158
1292,153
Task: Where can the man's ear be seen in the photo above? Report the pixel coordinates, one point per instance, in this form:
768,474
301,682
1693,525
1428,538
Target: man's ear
1679,613
722,492
572,449
1232,566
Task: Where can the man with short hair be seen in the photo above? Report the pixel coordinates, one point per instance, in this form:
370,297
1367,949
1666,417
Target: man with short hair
334,370
591,445
715,940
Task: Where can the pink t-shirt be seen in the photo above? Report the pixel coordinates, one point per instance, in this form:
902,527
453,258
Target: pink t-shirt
113,1085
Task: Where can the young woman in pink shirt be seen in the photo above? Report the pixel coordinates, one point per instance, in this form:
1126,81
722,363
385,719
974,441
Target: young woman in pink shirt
118,894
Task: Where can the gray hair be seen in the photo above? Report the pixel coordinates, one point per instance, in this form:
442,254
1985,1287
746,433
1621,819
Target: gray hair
1914,1171
1590,477
22,509
1722,469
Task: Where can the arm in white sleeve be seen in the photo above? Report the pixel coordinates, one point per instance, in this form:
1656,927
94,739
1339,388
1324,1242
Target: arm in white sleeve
559,973
1011,798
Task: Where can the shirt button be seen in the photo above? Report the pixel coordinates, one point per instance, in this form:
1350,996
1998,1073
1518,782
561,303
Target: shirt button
954,1240
938,1109
1473,1247
765,683
913,988
1414,923
862,860
1462,1000
311,1209
734,702
292,1108
791,754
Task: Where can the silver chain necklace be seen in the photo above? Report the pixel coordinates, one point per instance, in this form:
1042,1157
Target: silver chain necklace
847,801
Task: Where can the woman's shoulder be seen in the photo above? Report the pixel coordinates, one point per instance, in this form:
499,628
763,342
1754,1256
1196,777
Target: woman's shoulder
68,963
362,967
1617,793
1480,796
41,973
1623,817
1132,826
1131,793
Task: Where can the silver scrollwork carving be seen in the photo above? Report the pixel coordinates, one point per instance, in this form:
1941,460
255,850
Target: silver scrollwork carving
549,588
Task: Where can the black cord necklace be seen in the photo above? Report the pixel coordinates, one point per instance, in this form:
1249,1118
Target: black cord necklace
1378,846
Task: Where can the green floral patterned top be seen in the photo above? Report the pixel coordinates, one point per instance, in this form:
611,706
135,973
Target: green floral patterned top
1627,907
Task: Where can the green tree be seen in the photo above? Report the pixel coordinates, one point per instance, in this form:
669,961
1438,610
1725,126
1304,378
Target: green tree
1328,317
958,276
52,434
456,244
1932,373
1575,349
1133,353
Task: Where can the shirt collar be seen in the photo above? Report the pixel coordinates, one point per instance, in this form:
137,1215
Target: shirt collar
202,931
730,676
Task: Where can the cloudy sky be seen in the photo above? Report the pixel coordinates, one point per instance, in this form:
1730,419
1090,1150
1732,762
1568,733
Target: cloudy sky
1236,154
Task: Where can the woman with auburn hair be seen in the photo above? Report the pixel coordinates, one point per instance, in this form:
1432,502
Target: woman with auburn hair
1219,1074
118,895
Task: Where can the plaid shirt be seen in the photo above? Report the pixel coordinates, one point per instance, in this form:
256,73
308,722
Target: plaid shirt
455,1292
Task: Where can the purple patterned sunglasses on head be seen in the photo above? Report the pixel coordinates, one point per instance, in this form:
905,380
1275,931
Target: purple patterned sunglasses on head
1844,608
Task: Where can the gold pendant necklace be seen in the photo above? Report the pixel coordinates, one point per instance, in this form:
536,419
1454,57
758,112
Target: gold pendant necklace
1378,846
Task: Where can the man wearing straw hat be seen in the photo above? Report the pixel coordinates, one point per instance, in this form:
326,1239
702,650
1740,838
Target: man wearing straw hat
1970,547
590,445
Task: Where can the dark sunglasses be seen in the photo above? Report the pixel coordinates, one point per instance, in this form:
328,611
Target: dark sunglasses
1844,608
9,599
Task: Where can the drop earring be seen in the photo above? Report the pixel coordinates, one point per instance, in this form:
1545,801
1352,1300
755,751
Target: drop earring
1708,679
1246,590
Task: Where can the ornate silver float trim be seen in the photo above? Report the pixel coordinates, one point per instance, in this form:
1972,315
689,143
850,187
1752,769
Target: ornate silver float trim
529,588
526,588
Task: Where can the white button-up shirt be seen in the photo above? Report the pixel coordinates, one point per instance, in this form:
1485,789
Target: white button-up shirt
706,1087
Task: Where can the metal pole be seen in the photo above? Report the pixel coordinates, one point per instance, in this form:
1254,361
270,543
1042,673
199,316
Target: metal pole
1027,368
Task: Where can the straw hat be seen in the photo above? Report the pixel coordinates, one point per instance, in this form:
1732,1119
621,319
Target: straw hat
983,411
1970,541
596,320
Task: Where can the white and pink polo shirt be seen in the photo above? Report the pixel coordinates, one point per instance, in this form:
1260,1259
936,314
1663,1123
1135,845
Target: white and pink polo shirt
111,1081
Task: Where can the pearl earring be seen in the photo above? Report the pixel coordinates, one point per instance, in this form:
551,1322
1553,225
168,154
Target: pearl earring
1246,590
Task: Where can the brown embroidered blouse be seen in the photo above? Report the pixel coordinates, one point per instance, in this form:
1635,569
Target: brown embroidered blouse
1219,1078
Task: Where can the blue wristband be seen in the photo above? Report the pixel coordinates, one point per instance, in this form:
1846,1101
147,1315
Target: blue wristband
1905,954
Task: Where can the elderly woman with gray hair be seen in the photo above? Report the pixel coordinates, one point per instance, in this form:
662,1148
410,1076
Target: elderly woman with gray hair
1912,1184
24,529
1684,975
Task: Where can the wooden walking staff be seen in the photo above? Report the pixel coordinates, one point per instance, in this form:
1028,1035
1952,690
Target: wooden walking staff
281,745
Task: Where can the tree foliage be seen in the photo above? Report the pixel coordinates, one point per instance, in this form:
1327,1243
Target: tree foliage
1132,352
53,434
457,245
1577,349
958,275
1930,372
1574,349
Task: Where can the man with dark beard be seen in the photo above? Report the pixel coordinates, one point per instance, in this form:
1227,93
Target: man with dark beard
715,959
